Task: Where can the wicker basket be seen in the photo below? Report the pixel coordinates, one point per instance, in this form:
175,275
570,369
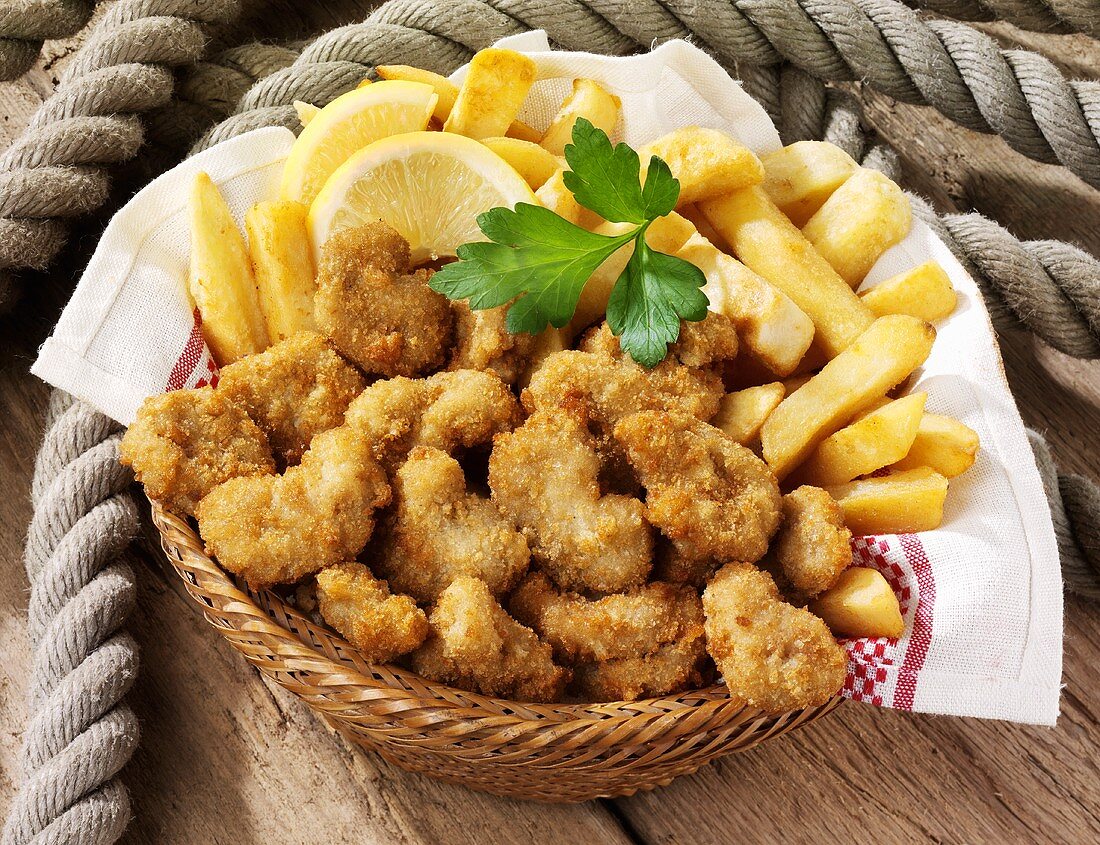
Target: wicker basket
544,752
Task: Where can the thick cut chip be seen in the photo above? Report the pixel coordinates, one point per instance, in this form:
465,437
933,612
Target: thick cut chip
588,100
707,163
860,604
528,159
944,444
742,413
801,176
902,502
924,292
492,93
282,261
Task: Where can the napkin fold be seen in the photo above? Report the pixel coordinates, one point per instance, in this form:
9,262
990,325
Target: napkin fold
981,595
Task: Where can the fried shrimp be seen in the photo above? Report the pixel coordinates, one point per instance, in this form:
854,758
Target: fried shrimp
440,531
711,496
544,477
293,391
672,566
377,313
381,625
773,656
277,529
474,644
813,545
622,625
446,411
185,443
483,342
702,343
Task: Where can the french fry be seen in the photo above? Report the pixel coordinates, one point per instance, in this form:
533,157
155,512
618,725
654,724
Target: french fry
446,93
282,263
665,234
305,111
559,199
770,245
772,326
742,413
529,160
877,439
221,280
925,292
495,87
692,213
706,162
881,357
903,502
801,176
588,100
862,219
860,604
942,443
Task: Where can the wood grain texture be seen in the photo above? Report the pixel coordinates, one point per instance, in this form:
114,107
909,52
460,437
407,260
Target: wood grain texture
225,758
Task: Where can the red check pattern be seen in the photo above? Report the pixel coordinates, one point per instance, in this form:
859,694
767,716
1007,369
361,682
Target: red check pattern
195,367
884,671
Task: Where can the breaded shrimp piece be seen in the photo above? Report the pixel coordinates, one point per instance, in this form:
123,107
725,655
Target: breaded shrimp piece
708,494
277,529
813,545
773,656
446,411
672,667
702,343
613,387
671,566
185,443
378,314
544,477
439,531
483,342
381,625
476,646
293,391
621,625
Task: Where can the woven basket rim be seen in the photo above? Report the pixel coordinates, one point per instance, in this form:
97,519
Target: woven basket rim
214,588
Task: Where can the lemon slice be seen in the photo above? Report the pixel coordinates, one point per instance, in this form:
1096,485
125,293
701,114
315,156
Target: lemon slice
349,123
430,186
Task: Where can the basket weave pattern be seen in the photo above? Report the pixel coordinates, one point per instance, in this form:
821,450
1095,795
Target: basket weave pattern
544,752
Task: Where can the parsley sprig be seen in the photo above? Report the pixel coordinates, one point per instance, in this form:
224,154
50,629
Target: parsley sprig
540,262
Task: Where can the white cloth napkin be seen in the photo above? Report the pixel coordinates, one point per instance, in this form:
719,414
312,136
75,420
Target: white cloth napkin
981,595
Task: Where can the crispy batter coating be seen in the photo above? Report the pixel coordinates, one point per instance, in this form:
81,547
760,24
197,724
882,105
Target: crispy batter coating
672,667
671,566
378,314
446,411
293,391
277,529
622,625
439,531
544,477
702,343
381,625
483,342
185,443
708,494
476,646
612,388
813,545
773,656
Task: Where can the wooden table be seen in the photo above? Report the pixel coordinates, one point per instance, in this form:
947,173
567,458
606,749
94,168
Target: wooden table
227,758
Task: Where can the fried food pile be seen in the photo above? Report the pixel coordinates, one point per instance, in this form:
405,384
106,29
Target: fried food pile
555,542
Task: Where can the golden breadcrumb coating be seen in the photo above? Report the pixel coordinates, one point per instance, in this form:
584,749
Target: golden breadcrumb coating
294,390
446,411
277,529
773,656
544,477
708,494
702,343
183,444
381,625
621,625
483,342
813,545
671,566
476,646
439,531
379,314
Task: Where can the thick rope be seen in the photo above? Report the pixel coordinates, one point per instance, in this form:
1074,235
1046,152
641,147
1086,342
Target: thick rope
80,734
1057,16
57,168
25,24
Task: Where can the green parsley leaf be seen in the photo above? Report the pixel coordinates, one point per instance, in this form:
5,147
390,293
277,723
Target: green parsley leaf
533,254
650,297
604,178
